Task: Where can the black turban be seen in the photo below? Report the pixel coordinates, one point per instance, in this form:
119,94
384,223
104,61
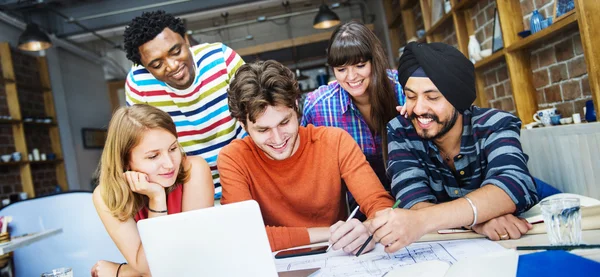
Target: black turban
451,72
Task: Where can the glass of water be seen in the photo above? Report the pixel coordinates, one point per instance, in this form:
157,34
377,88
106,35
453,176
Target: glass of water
562,217
59,272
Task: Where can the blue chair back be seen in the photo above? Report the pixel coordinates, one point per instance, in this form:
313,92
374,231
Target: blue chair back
81,244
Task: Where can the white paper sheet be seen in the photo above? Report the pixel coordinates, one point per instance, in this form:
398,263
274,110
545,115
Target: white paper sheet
378,263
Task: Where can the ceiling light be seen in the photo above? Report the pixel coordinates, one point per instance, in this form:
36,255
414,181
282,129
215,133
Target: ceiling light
34,39
325,18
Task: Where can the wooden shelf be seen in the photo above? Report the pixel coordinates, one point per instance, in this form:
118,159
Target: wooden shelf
55,161
499,55
9,121
442,21
33,123
465,4
407,4
566,23
12,163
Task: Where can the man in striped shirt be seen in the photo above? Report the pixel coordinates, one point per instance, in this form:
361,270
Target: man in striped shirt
189,83
451,164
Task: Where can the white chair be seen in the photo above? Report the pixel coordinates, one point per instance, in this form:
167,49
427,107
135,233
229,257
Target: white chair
81,244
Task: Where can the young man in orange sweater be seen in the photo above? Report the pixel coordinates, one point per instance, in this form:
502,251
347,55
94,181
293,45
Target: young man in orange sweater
295,173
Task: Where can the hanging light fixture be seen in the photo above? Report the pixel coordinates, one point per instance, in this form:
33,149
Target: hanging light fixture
325,18
34,39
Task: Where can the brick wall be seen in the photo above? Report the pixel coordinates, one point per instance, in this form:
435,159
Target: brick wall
449,34
497,82
44,178
558,66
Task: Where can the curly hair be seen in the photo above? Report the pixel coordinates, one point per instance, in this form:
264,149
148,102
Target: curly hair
261,84
145,28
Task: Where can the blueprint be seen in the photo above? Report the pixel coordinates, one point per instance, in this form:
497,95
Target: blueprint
378,263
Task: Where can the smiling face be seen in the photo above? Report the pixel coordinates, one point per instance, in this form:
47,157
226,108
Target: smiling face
169,59
158,156
428,110
355,78
275,132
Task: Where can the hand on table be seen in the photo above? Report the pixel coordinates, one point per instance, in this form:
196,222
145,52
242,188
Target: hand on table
503,227
349,236
397,228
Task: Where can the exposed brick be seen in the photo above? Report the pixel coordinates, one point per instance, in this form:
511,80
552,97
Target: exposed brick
489,30
546,57
496,104
564,50
577,67
540,78
552,94
539,96
481,20
541,3
507,104
508,88
489,93
565,109
577,47
526,23
533,60
558,73
489,12
500,90
527,7
585,87
490,78
502,73
571,90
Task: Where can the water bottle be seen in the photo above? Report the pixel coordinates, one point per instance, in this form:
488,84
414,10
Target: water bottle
536,22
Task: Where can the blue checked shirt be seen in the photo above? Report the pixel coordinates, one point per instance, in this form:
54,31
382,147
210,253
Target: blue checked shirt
490,153
332,106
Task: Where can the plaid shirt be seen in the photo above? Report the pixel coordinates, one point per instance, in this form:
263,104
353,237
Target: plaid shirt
331,105
490,153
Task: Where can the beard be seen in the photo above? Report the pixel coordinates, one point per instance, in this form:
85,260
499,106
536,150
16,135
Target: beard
446,125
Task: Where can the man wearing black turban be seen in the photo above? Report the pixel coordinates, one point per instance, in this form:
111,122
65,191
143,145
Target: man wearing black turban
452,164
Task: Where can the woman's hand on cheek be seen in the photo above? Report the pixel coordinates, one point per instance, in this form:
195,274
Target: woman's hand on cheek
139,183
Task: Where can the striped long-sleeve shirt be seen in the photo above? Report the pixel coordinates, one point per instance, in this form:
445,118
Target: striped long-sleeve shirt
490,153
200,112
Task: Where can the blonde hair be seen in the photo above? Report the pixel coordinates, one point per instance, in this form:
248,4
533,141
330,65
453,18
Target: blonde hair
125,131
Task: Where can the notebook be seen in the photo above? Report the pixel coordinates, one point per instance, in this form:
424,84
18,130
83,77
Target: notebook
556,263
228,240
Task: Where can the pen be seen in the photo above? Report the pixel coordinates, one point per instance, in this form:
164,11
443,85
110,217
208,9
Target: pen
559,247
349,217
371,236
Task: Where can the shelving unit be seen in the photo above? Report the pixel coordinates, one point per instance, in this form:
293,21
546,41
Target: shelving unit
19,126
516,52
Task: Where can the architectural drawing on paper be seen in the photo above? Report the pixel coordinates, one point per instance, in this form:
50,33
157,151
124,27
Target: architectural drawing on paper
377,262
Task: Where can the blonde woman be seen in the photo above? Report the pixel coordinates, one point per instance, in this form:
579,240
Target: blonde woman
144,174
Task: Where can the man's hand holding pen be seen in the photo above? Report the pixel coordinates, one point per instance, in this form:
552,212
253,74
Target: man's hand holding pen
397,228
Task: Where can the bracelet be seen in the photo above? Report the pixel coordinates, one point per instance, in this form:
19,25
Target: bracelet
119,268
474,211
155,211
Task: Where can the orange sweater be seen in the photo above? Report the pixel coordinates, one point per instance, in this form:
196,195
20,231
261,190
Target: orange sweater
304,190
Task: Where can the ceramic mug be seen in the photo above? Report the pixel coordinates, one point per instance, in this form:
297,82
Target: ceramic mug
544,116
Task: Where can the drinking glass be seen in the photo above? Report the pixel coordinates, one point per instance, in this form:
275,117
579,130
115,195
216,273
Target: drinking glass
562,217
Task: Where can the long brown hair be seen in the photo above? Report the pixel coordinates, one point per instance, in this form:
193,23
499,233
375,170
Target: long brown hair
125,131
353,43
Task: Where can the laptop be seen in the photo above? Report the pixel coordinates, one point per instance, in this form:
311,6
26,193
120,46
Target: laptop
228,240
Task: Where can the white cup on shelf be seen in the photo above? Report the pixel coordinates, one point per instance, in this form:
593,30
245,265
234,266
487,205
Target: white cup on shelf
576,118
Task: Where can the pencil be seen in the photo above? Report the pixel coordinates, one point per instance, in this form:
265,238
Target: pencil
349,217
371,236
